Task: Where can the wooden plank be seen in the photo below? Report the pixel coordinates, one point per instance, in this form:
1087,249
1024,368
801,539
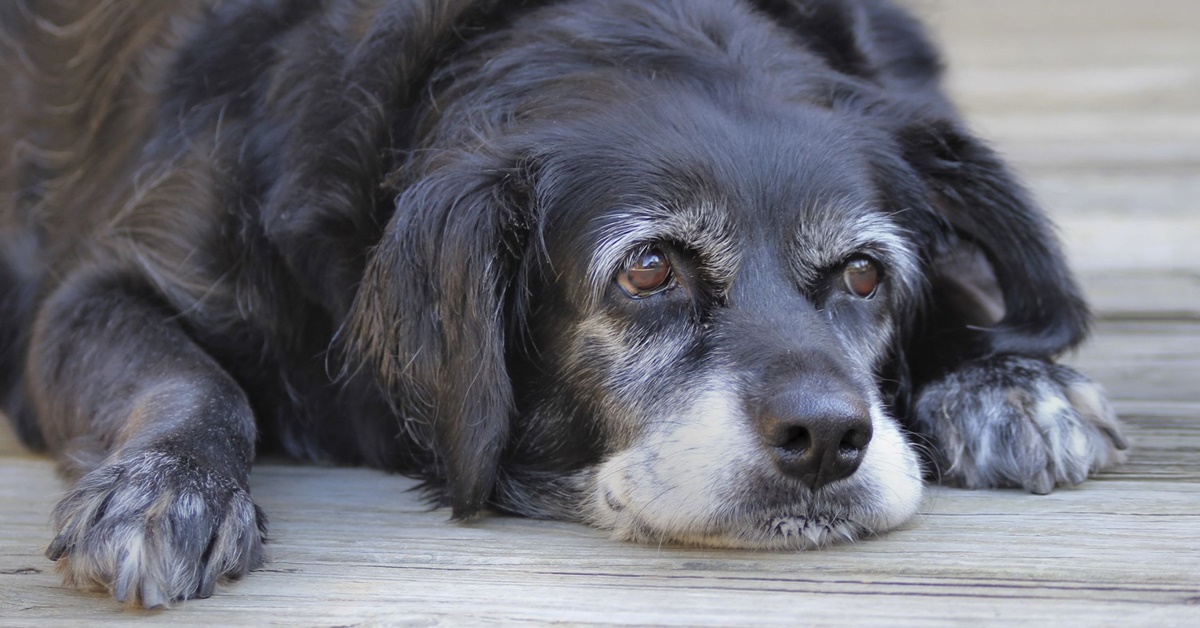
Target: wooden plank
352,545
1035,37
1143,295
1121,245
1114,548
1146,361
1122,193
1166,439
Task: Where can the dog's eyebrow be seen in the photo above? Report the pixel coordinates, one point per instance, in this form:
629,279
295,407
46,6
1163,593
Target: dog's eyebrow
702,228
834,230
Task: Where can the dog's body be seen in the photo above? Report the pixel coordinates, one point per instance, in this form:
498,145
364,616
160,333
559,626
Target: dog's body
698,271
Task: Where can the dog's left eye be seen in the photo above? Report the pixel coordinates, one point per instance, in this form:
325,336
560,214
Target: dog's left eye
861,277
646,274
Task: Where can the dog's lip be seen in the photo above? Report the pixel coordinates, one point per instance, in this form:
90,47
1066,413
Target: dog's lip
785,530
784,525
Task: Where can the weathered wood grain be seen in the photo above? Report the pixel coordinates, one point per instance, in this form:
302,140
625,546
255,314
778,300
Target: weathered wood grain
1098,103
1144,295
1152,361
356,546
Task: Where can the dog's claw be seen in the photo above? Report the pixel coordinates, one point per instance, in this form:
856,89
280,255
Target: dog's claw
1042,483
208,581
57,548
152,596
121,588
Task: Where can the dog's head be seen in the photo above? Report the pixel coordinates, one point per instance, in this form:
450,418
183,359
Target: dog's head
671,290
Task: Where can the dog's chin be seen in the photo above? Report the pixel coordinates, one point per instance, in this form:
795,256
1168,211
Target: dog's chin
781,530
809,524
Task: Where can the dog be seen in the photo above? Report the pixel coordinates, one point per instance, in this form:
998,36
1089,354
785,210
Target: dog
729,273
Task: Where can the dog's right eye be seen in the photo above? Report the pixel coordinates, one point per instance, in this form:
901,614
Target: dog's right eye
861,277
646,274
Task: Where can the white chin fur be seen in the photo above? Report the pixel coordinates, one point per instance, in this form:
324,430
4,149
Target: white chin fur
690,479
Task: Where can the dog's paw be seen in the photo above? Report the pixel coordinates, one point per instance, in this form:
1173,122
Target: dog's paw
1018,421
153,528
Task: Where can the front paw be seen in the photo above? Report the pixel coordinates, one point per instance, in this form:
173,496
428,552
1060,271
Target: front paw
153,528
1018,421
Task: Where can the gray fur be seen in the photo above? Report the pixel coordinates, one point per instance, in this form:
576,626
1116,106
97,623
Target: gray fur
153,529
1018,421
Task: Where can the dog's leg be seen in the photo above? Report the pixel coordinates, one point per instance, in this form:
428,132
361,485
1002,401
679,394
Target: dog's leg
163,438
1017,421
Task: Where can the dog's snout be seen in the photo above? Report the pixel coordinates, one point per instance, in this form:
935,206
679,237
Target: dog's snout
814,437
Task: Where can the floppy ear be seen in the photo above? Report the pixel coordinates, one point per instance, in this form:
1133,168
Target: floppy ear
870,39
832,29
429,318
997,251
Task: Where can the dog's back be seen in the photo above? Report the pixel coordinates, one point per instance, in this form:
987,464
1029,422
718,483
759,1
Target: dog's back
120,163
76,109
78,105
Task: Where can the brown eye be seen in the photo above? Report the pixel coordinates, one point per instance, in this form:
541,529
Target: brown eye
646,274
861,277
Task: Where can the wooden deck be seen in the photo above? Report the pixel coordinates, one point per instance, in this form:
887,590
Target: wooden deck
1098,103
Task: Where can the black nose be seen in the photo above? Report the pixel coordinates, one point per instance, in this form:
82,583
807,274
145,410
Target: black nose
816,437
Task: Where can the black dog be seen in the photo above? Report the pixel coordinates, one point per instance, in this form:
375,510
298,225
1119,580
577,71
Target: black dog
693,271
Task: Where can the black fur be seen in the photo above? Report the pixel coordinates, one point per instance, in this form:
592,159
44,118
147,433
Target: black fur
367,232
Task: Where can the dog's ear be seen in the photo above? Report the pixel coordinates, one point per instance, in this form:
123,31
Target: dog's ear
429,315
868,39
996,252
832,29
